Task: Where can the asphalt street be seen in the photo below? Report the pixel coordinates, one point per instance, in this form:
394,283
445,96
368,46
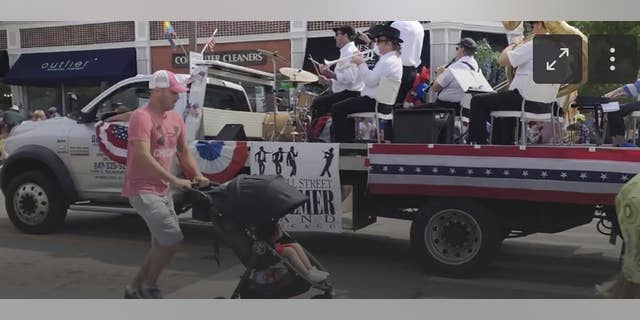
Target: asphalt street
95,255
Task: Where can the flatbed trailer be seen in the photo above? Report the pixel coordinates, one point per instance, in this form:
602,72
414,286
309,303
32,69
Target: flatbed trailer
464,200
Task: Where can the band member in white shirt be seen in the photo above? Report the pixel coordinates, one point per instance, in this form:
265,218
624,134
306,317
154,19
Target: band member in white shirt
520,56
389,66
445,85
343,80
412,36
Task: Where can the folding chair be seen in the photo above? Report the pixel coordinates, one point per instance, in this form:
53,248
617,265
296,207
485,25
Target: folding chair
387,93
533,92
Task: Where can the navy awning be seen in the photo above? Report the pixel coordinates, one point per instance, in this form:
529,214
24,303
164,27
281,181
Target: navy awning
73,67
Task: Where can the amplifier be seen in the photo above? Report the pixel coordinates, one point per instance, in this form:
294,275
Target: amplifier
423,125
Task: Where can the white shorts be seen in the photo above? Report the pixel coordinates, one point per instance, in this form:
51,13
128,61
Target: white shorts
161,218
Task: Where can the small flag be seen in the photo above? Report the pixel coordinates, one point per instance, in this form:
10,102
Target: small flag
210,42
169,33
167,27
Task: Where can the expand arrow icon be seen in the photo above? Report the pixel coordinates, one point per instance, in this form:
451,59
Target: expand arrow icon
564,52
550,65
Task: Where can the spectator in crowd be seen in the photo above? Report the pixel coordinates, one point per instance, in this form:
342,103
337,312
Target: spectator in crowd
38,115
13,117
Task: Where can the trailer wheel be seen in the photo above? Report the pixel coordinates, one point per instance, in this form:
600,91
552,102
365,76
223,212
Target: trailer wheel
455,237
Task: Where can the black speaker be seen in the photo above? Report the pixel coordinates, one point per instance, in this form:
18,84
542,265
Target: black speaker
232,132
423,125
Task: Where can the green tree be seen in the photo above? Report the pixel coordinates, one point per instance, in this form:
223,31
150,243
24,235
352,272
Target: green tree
488,61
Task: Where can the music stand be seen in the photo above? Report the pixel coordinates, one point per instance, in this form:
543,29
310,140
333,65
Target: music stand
471,82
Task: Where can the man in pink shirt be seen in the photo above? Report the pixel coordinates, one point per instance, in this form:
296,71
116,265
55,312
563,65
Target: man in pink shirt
156,135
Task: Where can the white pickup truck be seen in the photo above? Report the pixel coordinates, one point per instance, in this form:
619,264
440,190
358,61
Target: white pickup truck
56,164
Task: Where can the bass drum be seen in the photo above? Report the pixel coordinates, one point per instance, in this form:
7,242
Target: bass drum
281,122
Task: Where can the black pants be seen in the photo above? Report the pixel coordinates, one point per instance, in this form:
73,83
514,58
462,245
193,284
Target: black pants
322,104
408,76
503,132
343,128
616,121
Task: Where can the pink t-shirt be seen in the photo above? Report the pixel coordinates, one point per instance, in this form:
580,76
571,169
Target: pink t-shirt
163,131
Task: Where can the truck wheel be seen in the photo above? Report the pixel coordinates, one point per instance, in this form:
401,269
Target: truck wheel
35,204
455,237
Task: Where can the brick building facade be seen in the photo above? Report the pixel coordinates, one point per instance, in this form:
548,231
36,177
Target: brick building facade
289,38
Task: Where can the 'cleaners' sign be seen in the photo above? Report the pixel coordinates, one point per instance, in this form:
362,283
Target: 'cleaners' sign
242,58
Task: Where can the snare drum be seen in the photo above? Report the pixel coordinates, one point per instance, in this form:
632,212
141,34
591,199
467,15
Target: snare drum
305,99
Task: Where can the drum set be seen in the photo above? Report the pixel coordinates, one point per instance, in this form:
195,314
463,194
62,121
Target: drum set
292,124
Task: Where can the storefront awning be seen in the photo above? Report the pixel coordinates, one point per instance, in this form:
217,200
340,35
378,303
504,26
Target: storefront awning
4,63
73,67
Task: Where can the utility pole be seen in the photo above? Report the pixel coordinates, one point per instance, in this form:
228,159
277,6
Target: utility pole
192,30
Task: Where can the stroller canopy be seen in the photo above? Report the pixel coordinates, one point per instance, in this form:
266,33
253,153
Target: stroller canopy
257,200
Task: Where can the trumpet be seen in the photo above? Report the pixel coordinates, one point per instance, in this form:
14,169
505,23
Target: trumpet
367,55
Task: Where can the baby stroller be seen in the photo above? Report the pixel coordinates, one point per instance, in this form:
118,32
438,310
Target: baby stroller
238,211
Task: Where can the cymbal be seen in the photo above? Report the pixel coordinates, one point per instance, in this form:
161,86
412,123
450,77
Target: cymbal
298,75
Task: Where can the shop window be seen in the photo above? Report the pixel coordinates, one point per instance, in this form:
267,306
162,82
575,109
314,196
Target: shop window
44,98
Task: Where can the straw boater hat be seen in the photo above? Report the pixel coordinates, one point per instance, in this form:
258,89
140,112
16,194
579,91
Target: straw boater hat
15,107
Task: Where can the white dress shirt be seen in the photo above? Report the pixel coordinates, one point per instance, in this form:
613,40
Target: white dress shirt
521,58
389,66
346,72
451,90
412,35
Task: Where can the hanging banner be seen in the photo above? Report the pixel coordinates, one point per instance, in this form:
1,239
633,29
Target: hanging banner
313,169
192,114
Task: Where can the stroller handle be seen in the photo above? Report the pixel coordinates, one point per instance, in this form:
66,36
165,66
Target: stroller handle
204,194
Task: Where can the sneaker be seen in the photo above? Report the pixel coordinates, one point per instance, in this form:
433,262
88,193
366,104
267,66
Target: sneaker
131,293
320,272
150,293
315,276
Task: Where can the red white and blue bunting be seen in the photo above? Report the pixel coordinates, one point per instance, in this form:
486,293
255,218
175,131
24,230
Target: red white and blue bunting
220,161
112,139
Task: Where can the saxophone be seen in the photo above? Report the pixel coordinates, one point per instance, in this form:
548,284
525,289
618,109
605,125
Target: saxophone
554,27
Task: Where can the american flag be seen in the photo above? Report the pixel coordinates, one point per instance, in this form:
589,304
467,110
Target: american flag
579,175
112,140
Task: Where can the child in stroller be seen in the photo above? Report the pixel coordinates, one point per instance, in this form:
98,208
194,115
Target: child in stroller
294,252
244,213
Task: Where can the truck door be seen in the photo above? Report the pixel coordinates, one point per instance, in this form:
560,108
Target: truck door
98,160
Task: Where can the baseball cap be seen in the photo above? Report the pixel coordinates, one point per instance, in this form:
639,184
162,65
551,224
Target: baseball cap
468,43
166,79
